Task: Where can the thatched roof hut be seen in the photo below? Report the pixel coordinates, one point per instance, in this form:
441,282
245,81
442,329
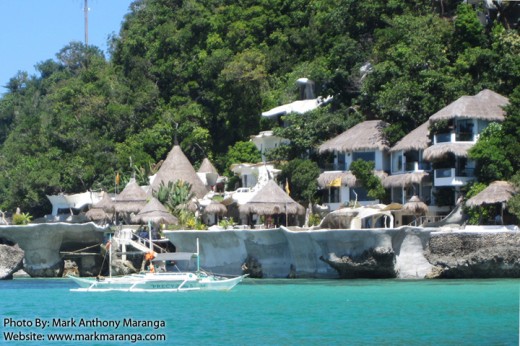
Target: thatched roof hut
441,150
178,167
347,178
496,192
415,206
271,199
216,208
367,135
132,199
207,167
418,139
404,179
486,105
155,212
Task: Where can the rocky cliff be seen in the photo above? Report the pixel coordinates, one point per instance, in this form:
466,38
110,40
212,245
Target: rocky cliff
405,252
474,254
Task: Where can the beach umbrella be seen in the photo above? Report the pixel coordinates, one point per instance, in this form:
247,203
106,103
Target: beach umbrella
415,206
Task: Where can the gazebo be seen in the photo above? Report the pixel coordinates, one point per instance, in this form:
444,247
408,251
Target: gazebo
272,200
102,210
178,167
156,213
498,192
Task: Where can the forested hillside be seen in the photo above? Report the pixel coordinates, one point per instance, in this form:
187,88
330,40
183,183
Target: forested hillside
206,69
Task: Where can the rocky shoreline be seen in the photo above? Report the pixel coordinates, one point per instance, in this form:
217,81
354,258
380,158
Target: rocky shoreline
403,253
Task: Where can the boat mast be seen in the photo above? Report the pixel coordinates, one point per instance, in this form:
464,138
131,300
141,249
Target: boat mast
198,257
109,255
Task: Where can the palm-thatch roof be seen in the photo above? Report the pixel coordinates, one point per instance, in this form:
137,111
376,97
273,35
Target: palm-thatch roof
347,178
415,206
97,214
440,150
105,204
155,212
367,135
207,167
418,139
271,199
178,167
131,199
215,208
405,179
486,105
496,192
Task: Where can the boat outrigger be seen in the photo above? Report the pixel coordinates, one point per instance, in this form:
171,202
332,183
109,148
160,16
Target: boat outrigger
152,281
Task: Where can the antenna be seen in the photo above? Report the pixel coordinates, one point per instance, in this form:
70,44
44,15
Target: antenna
85,11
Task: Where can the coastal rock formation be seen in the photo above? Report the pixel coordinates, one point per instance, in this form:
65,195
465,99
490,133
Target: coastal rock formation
11,260
285,252
474,255
42,244
252,267
122,267
372,263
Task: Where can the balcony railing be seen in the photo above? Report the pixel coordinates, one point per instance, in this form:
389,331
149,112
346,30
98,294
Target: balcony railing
454,137
335,167
416,166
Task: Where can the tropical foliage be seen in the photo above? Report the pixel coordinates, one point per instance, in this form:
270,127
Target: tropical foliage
206,69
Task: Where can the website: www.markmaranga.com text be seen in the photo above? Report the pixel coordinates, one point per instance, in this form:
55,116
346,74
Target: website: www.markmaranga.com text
94,336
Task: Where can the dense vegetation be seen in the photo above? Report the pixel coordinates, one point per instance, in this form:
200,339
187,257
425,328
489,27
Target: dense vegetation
205,69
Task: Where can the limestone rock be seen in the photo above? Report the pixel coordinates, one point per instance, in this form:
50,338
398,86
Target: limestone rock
11,260
475,255
70,268
252,267
372,263
120,267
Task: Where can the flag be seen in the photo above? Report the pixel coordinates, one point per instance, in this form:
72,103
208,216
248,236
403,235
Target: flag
335,183
117,178
287,189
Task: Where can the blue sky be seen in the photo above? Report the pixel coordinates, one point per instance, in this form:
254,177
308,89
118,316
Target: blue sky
32,31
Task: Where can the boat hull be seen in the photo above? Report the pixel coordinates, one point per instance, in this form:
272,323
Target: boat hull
159,282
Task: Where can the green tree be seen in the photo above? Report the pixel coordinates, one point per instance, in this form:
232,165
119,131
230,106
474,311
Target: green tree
301,175
492,161
364,171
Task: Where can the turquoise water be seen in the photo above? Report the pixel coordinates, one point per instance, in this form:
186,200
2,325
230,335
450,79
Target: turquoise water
275,312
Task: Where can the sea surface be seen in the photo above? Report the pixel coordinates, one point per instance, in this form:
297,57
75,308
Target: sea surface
267,312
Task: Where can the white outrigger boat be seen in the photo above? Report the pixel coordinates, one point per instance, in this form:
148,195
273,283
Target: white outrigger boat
160,282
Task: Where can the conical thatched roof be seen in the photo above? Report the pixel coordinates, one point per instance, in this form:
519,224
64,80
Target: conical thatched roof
215,208
131,199
418,139
97,214
405,179
496,192
415,206
347,178
207,167
178,167
271,199
105,204
367,135
486,105
441,150
155,212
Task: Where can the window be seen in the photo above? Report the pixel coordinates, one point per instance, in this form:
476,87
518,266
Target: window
364,155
